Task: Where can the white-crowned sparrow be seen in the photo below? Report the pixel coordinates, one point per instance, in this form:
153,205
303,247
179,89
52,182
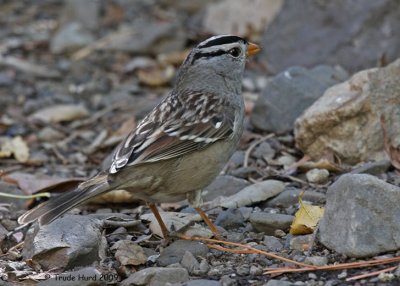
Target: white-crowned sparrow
183,143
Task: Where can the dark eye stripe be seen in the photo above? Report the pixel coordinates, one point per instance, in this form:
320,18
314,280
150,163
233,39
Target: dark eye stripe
222,41
207,55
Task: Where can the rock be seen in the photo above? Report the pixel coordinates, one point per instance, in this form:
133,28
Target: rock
255,193
272,243
189,7
372,168
333,32
86,13
289,93
232,17
331,126
367,206
129,253
6,80
264,150
225,186
269,222
246,212
175,252
157,276
300,242
274,282
156,37
243,270
256,270
203,268
286,161
84,277
190,262
202,282
230,219
316,260
228,281
317,176
70,37
68,242
290,197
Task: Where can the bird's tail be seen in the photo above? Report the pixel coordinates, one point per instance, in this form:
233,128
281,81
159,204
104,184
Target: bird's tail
55,207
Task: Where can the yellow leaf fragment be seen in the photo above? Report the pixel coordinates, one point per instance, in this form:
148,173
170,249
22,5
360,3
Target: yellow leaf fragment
306,218
17,147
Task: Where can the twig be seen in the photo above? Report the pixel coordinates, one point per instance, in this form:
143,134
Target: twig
247,250
374,273
351,265
252,146
25,197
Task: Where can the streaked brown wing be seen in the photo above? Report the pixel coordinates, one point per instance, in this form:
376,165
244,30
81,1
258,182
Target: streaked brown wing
168,132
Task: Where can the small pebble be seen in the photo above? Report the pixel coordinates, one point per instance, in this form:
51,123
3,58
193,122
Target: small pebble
342,275
317,176
386,277
316,260
287,160
279,233
235,237
256,270
227,281
312,276
243,270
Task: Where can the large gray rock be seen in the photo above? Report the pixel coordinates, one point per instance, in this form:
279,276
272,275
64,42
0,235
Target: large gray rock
289,93
361,217
345,121
66,243
353,34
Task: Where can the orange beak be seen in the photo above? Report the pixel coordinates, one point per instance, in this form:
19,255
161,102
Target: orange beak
252,49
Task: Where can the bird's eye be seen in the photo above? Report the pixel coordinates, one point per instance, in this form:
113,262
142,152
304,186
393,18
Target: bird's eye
235,52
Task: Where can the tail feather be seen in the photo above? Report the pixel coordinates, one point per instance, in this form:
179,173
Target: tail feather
55,207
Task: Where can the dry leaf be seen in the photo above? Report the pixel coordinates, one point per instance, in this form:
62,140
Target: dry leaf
16,146
31,184
306,218
60,113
